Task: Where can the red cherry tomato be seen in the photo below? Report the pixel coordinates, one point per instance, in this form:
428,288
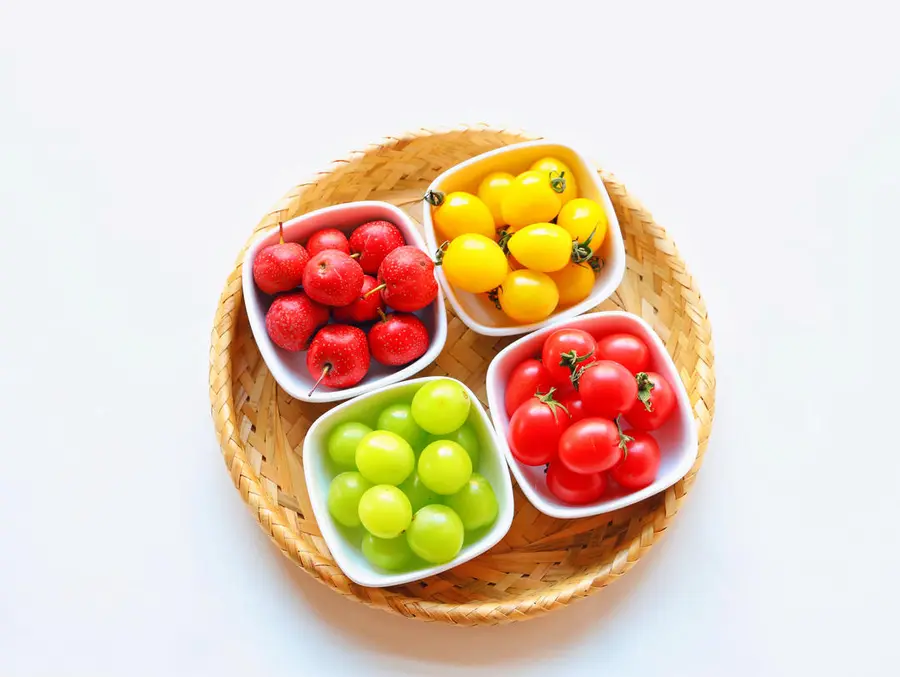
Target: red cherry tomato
591,445
641,463
627,350
573,487
566,350
655,403
607,389
535,428
572,401
526,379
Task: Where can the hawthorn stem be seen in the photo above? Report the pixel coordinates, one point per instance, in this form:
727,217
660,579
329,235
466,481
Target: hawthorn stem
356,255
325,370
381,313
373,290
280,232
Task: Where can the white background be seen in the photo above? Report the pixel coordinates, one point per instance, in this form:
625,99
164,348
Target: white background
140,143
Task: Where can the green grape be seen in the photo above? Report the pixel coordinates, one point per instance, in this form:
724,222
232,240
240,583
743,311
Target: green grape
475,503
398,419
342,443
343,497
441,406
466,437
385,511
436,534
444,467
385,458
418,494
392,554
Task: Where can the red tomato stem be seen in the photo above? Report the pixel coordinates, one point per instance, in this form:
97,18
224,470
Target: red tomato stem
547,398
577,373
645,385
572,359
623,438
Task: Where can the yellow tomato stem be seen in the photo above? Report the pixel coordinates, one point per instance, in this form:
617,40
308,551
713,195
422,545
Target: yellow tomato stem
558,183
439,254
434,197
505,236
494,296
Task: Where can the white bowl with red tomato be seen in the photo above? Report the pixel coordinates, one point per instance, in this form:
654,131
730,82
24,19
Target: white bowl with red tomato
343,300
591,414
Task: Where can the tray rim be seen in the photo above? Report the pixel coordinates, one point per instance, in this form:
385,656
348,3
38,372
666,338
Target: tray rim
486,612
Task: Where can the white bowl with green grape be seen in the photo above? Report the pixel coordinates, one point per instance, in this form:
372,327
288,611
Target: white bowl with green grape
407,481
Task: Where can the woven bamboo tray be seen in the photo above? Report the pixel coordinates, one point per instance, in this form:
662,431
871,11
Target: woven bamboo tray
543,563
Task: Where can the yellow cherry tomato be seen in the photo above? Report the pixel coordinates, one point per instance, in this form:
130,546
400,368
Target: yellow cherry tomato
491,191
559,168
530,199
541,246
459,213
528,296
574,282
474,263
581,217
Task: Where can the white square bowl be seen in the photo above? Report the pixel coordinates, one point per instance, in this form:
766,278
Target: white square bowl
289,368
677,438
318,472
475,310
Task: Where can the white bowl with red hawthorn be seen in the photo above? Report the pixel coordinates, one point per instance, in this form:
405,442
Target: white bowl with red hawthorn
343,300
591,414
